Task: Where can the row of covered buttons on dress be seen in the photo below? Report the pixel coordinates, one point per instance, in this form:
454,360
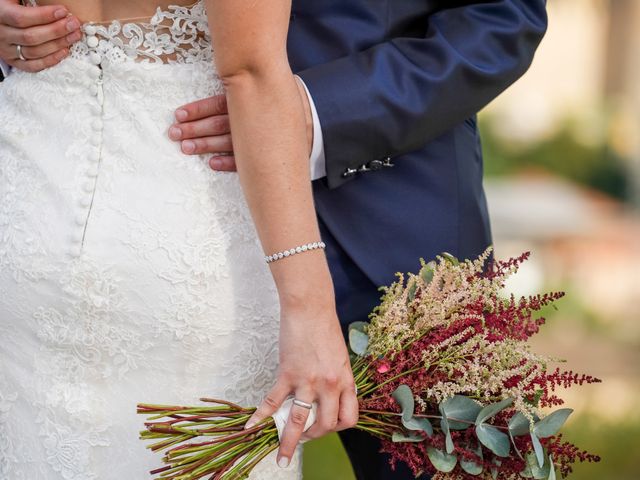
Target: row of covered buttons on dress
94,147
368,167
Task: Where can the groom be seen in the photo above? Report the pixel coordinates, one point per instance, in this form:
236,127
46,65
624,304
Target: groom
392,88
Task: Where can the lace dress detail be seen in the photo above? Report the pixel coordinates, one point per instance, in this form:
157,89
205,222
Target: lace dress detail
128,272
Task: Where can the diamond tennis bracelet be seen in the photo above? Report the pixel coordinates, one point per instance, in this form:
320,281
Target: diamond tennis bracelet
293,251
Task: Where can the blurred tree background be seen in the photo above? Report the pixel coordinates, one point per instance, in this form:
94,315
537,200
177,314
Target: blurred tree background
562,163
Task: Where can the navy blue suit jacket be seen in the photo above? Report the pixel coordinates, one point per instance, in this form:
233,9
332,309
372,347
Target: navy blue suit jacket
404,79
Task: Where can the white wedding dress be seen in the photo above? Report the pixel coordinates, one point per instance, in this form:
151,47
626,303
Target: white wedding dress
129,272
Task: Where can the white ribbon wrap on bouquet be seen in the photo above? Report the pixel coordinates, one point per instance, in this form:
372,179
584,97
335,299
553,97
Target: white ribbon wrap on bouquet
282,415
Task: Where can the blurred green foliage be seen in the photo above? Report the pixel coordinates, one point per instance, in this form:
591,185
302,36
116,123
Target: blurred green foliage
616,443
596,166
325,459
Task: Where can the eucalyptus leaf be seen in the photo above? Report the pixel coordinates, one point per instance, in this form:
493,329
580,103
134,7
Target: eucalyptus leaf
471,467
537,448
399,437
442,461
551,424
411,294
460,408
360,326
519,425
494,471
552,469
427,272
533,470
448,441
417,423
450,258
490,410
404,397
493,439
358,341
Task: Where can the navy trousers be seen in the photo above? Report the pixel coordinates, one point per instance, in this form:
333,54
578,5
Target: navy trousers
356,295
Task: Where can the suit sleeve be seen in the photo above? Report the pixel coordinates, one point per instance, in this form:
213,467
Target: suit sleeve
395,97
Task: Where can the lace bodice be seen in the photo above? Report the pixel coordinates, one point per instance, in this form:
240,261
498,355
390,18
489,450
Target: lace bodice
129,272
179,34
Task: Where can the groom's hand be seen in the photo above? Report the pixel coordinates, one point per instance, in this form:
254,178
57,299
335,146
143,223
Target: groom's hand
44,33
202,128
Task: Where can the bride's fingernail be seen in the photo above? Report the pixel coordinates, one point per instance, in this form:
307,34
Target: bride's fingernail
181,115
249,424
283,462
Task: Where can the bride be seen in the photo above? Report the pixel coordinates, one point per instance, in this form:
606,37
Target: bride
129,274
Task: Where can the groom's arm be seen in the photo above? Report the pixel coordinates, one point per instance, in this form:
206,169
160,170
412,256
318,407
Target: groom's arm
397,96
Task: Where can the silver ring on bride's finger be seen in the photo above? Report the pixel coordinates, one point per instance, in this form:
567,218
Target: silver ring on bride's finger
300,403
19,53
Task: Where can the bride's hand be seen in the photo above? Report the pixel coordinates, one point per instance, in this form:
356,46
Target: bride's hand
314,366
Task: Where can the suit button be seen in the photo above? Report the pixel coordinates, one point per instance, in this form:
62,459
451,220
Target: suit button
375,164
349,172
386,162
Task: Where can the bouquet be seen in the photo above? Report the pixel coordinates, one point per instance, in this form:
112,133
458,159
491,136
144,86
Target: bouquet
445,378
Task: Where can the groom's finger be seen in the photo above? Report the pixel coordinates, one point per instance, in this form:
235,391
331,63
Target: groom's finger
40,34
39,64
22,17
206,127
270,403
207,107
198,146
223,163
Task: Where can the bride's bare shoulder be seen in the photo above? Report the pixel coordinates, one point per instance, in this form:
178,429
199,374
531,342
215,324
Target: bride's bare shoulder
104,10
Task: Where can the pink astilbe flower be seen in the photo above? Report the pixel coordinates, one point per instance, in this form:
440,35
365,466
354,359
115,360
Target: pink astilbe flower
449,331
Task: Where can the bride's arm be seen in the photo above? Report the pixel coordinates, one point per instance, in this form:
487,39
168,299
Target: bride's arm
269,140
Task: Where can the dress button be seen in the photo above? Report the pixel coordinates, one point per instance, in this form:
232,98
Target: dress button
97,125
80,219
92,171
92,41
90,29
95,140
95,58
76,237
96,109
88,187
85,201
375,164
94,156
93,89
95,72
